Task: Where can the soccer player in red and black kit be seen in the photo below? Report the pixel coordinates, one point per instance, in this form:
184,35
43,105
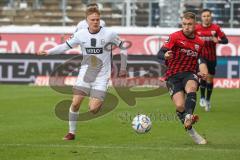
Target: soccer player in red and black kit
211,34
182,55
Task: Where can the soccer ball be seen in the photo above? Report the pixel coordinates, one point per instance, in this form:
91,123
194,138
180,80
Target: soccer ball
141,123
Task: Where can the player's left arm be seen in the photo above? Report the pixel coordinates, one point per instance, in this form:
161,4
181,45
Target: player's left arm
221,35
123,54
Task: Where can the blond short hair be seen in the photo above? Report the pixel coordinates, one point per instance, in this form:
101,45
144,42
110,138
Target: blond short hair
92,10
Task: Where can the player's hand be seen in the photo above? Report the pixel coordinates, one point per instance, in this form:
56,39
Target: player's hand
202,75
122,73
168,55
215,39
42,52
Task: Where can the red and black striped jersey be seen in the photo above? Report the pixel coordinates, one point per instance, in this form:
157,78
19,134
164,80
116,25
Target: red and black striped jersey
186,52
206,34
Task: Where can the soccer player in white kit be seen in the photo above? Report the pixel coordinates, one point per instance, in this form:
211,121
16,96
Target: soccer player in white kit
95,68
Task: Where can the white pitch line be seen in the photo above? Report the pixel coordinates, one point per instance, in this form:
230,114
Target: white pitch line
122,147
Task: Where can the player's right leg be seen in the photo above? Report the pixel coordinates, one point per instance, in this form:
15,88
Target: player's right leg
175,88
97,94
191,87
73,116
80,90
95,105
179,101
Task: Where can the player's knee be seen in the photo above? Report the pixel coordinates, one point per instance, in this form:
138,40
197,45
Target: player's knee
75,105
94,109
192,89
179,106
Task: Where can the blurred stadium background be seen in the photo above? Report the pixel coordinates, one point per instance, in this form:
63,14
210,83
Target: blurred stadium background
31,130
116,12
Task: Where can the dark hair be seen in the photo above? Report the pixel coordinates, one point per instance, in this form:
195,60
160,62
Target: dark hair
205,10
189,15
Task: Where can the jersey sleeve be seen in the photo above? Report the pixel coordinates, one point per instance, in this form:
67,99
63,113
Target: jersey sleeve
73,41
115,39
170,42
219,32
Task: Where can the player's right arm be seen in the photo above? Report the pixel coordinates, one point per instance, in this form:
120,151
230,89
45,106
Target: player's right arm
220,34
72,42
165,52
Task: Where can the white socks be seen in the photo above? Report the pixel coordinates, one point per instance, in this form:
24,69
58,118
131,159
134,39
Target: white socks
73,117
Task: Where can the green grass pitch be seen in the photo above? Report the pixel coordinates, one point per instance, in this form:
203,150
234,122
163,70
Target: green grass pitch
29,129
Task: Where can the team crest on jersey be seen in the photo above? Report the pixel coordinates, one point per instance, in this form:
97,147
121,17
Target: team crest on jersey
103,41
196,47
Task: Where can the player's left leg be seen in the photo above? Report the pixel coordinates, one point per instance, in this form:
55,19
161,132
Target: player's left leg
190,102
97,94
209,92
95,105
73,116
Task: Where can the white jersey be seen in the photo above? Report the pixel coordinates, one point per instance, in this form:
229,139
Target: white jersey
83,24
96,50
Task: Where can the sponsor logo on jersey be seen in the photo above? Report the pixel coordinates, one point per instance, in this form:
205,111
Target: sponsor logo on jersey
94,50
189,52
207,38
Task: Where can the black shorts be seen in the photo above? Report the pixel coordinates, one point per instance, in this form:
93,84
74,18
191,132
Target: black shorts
211,65
178,82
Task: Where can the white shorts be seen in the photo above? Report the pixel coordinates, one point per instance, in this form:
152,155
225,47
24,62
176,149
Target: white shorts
92,86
